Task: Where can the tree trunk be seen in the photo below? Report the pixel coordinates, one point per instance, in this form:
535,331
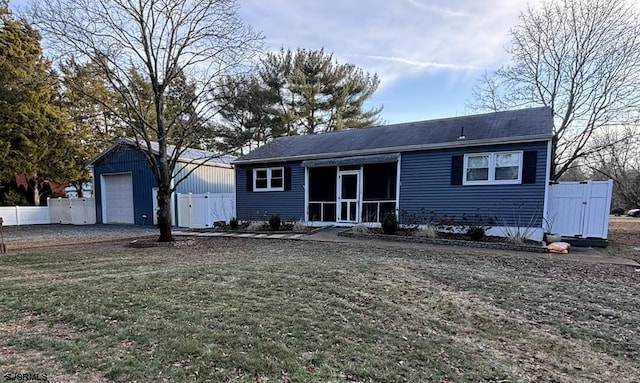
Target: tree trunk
164,215
33,190
80,189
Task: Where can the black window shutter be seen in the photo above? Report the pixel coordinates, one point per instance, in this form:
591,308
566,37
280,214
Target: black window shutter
249,180
457,166
287,178
529,164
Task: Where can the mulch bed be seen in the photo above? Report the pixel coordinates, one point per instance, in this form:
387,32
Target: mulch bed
152,242
450,239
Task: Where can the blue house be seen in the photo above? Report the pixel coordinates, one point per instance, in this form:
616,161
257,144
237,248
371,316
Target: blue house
495,166
125,187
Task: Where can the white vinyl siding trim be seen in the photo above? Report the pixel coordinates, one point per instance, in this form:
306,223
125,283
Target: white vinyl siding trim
268,179
495,168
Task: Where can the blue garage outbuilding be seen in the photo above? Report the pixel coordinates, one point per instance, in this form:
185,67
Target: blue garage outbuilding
125,187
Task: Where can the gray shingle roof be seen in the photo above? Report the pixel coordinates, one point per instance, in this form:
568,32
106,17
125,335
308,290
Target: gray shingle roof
501,127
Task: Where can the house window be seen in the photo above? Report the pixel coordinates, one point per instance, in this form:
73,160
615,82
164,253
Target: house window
477,168
268,179
493,168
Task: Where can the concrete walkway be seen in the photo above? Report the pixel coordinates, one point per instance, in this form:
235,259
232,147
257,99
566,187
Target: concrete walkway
578,254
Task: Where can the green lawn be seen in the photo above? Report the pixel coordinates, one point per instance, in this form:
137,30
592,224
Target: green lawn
285,311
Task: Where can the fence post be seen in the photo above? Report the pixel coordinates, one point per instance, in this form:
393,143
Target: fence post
208,198
178,212
3,247
17,215
190,211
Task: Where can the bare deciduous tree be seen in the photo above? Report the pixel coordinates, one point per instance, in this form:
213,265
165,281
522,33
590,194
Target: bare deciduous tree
163,42
620,161
581,58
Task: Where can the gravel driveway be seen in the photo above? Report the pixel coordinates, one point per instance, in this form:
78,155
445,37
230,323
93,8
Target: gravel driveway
42,235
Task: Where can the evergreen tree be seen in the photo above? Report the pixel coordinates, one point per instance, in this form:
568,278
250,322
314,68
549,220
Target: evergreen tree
88,101
317,94
35,139
189,129
301,92
246,114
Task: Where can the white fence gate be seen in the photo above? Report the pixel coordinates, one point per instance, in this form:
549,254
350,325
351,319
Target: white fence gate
200,211
74,211
580,209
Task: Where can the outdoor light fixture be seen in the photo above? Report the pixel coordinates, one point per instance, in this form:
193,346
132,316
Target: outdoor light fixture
144,218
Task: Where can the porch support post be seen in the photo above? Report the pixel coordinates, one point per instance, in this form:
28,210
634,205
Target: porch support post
398,187
306,195
547,180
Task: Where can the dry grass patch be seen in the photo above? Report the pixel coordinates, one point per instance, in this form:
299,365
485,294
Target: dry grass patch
624,237
247,310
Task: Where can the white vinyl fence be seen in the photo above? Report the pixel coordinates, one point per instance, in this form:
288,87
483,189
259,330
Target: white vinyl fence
200,211
24,215
74,211
580,209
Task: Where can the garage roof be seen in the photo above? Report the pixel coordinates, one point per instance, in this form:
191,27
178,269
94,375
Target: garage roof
189,155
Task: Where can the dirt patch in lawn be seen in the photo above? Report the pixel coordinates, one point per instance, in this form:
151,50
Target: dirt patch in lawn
624,238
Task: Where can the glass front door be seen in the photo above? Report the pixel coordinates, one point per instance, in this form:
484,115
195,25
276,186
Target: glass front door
348,196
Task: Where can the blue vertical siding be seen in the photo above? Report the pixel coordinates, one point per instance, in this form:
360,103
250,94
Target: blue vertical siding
259,206
426,184
127,160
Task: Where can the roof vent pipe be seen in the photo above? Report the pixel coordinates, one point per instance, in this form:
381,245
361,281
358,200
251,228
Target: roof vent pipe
462,137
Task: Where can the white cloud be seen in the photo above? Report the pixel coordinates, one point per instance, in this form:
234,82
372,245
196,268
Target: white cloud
435,9
422,64
396,39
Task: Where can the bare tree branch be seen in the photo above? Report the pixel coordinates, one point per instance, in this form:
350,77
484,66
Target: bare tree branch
581,58
157,42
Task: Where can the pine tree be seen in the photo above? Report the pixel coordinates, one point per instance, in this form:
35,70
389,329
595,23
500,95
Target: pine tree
301,92
316,93
34,136
246,115
88,101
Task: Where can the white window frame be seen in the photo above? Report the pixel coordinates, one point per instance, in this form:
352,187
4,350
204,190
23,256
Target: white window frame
492,169
269,173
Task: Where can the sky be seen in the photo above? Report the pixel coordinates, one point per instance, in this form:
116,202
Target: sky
428,54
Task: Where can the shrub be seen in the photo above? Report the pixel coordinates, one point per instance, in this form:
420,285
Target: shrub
517,235
299,227
233,223
13,198
389,223
476,233
275,222
427,231
255,226
618,211
360,229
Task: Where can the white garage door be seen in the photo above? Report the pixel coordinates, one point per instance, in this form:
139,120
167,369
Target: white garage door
117,198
